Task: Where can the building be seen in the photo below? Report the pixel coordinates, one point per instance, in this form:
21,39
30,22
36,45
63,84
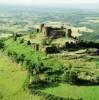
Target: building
51,32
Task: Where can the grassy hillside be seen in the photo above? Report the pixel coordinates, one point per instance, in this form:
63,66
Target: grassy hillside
11,81
85,64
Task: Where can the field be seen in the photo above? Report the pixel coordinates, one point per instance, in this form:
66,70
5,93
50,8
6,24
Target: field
84,63
11,81
66,90
12,78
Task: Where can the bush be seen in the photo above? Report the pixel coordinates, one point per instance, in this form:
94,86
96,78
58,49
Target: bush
46,41
1,44
70,76
1,96
28,42
9,53
22,41
15,38
97,79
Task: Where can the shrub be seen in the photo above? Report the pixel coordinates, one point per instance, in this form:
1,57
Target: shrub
1,44
9,53
15,38
28,42
22,41
46,41
70,76
97,79
1,96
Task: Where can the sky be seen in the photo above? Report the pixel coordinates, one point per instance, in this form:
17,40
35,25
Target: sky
38,2
50,2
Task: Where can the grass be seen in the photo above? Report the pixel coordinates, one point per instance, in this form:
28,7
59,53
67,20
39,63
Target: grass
83,63
16,77
66,90
11,81
34,38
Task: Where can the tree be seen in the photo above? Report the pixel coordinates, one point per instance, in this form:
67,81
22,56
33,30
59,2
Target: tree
1,44
28,42
22,41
